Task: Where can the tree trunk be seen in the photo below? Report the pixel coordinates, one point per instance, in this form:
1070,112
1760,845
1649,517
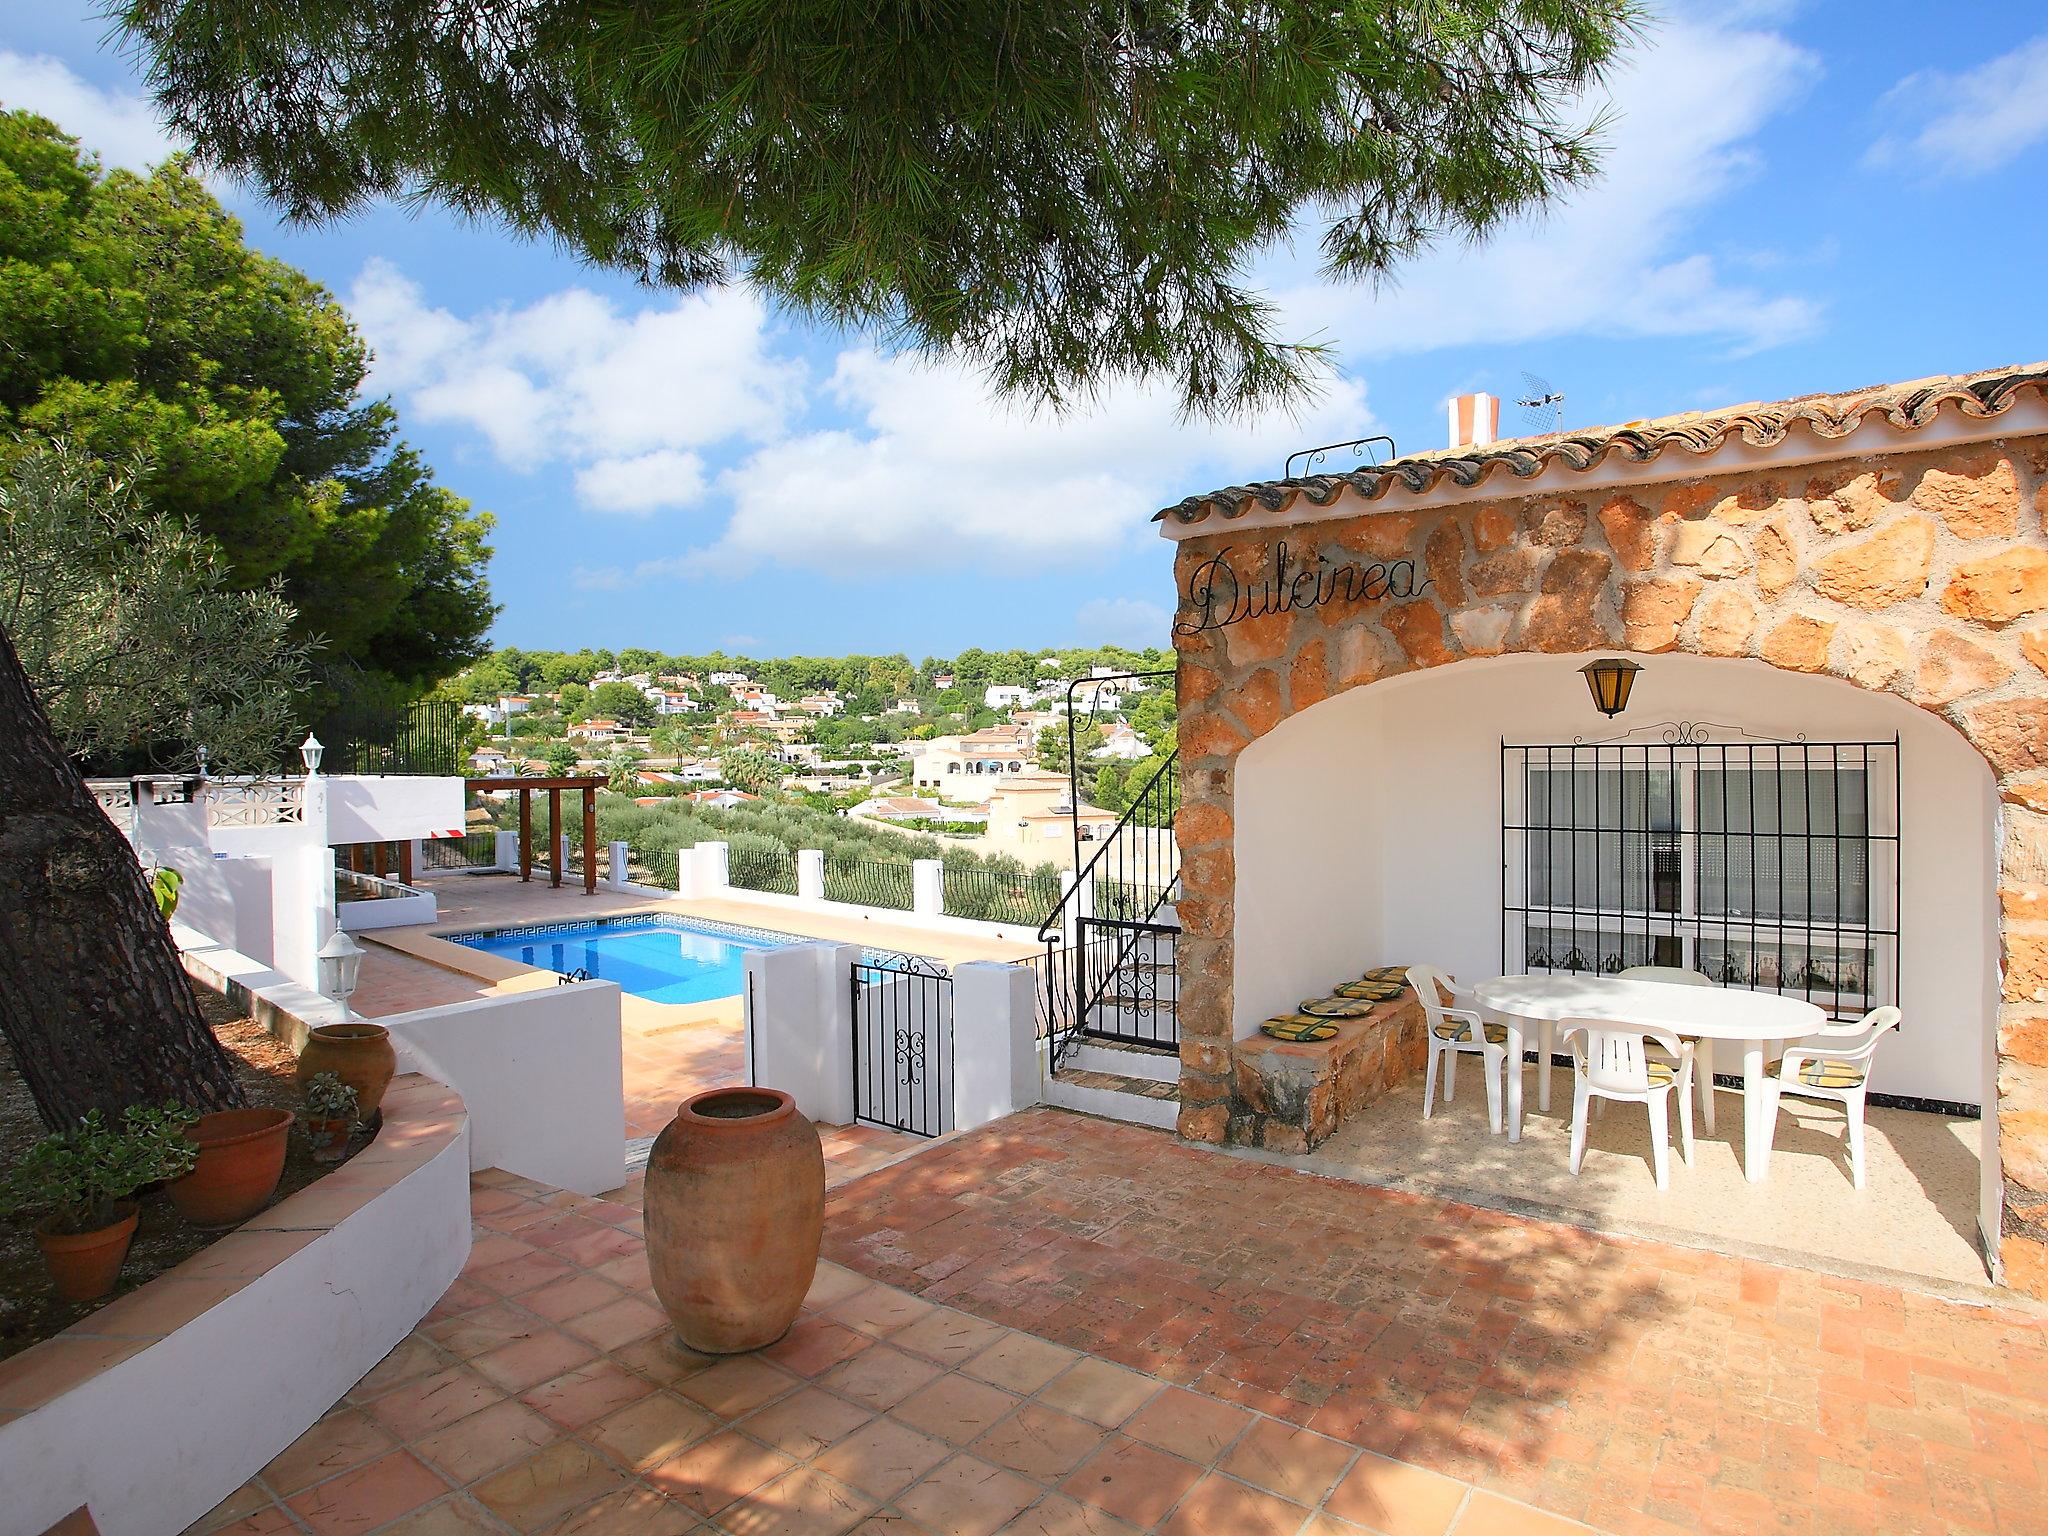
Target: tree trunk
92,997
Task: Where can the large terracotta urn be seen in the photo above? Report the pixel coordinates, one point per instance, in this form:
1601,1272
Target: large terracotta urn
735,1213
358,1053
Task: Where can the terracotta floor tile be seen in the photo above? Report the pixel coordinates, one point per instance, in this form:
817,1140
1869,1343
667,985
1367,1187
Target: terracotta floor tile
880,1376
882,1458
815,1345
651,1430
1020,1362
456,1515
738,1385
806,1422
589,1392
1098,1391
879,1310
715,1472
1058,1515
1220,1506
1490,1515
540,1356
422,1406
1132,1481
833,1283
966,1497
629,1512
414,1357
339,1441
947,1337
272,1521
249,1499
483,1329
803,1502
955,1408
1188,1424
663,1359
531,1494
1041,1442
1297,1464
571,1296
479,1445
1396,1498
373,1494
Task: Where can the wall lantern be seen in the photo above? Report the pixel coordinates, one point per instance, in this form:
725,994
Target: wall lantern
341,959
1610,679
309,753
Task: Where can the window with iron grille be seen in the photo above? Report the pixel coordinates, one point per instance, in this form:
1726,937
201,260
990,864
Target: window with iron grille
1772,865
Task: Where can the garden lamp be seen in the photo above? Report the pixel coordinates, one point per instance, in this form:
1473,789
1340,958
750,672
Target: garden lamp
309,753
341,959
1610,679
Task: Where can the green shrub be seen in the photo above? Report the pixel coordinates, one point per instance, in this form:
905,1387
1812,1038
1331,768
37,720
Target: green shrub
74,1179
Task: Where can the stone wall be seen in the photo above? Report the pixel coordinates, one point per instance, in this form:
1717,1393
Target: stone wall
1291,1095
1919,574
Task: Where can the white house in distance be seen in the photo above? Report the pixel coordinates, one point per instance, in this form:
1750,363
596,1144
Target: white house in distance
671,701
1121,744
598,730
1005,696
952,762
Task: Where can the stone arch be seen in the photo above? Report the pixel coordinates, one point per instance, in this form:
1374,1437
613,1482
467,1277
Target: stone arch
1918,574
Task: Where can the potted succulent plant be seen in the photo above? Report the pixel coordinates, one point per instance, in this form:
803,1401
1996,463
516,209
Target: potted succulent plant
78,1183
330,1115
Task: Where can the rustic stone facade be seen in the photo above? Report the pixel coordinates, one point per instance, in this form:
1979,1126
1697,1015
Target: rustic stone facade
1919,574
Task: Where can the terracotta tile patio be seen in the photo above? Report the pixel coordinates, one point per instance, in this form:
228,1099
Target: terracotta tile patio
1059,1325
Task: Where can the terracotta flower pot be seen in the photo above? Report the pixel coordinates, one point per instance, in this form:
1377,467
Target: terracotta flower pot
241,1158
358,1053
735,1213
329,1138
85,1265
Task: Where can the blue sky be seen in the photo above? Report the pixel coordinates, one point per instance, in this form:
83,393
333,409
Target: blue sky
1799,197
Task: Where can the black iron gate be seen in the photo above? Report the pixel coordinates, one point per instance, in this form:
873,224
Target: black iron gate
1766,864
903,1043
1126,980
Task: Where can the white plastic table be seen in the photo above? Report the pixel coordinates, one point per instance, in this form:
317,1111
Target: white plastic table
1703,1014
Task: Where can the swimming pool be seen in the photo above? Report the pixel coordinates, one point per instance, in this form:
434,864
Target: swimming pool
663,959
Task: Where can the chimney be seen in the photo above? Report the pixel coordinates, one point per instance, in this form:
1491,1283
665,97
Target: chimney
1475,420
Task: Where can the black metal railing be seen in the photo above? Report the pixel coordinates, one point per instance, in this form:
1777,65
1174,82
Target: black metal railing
1134,991
869,883
762,869
1131,874
424,737
472,850
1763,864
997,895
902,1043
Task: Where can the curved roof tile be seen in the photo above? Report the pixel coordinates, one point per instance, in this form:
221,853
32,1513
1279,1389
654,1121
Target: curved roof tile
1906,406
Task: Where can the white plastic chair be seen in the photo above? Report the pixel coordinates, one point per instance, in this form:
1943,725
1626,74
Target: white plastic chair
1679,976
1612,1061
1451,1030
1835,1064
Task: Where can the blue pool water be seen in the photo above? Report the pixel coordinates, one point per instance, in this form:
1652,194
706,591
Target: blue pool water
663,959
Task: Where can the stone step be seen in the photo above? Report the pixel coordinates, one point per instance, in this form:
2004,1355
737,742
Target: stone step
1115,1096
1157,1064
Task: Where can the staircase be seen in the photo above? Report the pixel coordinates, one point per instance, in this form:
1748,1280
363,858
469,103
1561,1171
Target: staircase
1110,993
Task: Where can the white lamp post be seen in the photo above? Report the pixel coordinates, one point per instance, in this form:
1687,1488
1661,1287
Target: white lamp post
309,753
341,959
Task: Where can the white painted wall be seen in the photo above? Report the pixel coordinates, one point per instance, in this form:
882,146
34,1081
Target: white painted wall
1368,833
799,1025
155,1441
541,1073
378,809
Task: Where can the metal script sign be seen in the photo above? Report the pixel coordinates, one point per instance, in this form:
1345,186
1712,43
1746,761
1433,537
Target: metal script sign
1217,597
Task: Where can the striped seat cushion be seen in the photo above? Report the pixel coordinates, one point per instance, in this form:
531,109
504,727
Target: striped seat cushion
1338,1007
1387,973
1660,1071
1838,1075
1298,1026
1371,991
1496,1034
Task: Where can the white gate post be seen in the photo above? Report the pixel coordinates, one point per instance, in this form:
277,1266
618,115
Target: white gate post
799,1025
506,853
928,887
995,1047
616,875
810,874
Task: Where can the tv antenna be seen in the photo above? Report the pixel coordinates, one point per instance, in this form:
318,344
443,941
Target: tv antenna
1542,406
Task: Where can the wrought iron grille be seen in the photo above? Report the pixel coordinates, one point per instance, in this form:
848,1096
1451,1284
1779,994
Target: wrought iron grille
902,1043
762,869
998,895
1127,975
1766,864
472,850
869,883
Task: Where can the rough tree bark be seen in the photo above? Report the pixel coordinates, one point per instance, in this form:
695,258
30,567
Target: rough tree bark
92,997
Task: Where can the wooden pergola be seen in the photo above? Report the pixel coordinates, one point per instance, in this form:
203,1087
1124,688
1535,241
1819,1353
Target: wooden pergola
589,785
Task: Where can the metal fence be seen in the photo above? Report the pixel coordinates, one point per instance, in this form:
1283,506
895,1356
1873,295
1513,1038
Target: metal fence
869,883
425,737
902,1043
472,850
997,896
762,869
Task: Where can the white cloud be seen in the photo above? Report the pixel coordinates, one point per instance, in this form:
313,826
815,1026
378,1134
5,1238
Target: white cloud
1688,106
122,126
934,472
1969,123
667,477
1127,621
622,397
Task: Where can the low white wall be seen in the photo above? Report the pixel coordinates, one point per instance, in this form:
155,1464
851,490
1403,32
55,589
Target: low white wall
156,1440
542,1075
799,1025
995,1042
392,808
387,912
